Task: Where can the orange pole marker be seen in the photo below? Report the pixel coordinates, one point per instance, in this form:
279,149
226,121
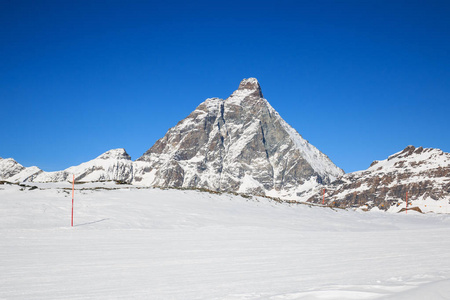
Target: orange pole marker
73,192
323,197
406,202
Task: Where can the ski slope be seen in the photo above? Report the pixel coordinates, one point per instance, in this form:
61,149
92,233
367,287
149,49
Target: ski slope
131,243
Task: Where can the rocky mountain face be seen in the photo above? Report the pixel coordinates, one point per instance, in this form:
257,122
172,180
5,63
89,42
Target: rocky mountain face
422,173
239,144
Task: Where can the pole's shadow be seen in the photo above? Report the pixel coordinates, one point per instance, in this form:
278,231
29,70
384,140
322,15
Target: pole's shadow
89,223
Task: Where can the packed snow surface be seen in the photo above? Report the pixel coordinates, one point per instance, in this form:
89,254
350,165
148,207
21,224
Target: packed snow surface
130,243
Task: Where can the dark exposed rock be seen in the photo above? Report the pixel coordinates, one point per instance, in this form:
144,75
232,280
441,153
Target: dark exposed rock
423,173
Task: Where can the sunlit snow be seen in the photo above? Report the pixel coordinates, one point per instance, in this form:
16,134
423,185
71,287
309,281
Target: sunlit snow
130,243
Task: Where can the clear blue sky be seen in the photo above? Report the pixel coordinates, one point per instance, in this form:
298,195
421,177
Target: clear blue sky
359,79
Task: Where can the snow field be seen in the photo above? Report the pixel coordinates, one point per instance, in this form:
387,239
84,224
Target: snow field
171,244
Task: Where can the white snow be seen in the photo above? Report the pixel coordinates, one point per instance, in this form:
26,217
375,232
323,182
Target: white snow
318,161
25,174
248,184
131,243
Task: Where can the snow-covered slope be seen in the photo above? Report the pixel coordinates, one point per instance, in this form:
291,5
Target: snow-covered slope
134,243
239,144
422,173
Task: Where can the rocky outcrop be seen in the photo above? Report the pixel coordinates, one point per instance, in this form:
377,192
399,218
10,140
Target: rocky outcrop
422,173
240,144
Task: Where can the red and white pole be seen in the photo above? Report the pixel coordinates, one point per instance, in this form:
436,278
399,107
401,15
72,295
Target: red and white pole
406,202
323,197
73,191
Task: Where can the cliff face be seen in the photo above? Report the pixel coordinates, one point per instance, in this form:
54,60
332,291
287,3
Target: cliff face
423,173
239,144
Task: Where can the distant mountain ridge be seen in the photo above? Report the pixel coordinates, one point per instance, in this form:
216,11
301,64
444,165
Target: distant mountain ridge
113,165
423,173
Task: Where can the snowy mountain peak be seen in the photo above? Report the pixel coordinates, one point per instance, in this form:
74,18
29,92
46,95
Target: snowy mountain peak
240,144
249,84
116,154
412,151
248,87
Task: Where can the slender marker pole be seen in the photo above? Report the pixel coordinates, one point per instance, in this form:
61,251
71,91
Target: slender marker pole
323,197
406,202
73,191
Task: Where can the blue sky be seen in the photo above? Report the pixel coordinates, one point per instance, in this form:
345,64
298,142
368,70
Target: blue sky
359,79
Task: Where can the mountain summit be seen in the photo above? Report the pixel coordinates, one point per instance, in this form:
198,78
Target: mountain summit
240,144
251,85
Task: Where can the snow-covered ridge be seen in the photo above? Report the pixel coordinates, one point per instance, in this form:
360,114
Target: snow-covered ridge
113,165
421,174
418,159
118,154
